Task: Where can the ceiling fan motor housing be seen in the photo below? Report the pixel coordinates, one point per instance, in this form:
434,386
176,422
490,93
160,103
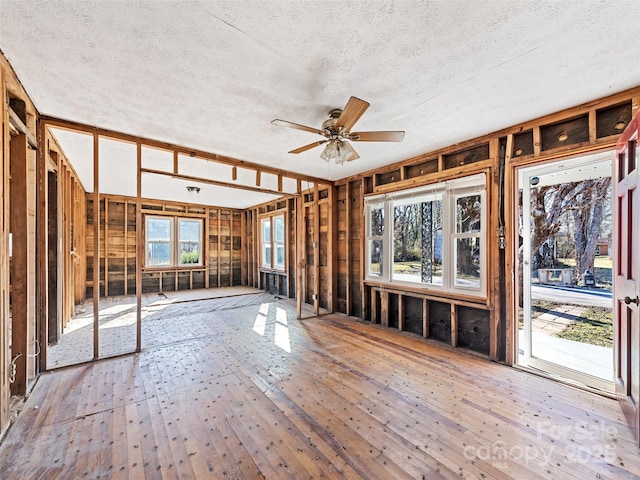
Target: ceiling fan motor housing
330,123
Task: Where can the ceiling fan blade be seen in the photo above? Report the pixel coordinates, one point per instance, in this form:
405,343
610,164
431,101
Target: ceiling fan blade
377,136
297,126
352,112
309,147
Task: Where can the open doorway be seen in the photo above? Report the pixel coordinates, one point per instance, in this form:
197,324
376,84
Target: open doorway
565,269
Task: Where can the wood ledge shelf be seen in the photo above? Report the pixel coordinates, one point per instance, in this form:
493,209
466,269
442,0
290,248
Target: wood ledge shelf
474,302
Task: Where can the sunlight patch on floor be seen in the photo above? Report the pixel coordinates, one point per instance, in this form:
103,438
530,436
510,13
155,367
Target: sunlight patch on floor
260,324
281,337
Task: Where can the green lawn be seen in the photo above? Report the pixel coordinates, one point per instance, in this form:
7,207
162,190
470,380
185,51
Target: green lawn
595,326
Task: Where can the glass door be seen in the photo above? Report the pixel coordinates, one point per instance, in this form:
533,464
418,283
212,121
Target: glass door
565,269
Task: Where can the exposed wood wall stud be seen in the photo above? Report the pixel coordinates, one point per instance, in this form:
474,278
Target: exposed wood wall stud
96,245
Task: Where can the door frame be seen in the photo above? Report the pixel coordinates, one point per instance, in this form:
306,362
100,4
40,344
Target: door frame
627,274
521,176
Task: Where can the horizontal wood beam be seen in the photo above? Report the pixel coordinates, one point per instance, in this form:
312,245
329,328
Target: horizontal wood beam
532,124
219,183
80,127
19,125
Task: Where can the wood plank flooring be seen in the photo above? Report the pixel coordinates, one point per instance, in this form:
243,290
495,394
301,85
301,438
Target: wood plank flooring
238,388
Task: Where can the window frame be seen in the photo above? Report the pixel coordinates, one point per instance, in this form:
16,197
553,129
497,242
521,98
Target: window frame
174,243
273,242
448,192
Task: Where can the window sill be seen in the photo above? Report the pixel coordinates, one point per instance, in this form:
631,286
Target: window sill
181,268
429,293
272,270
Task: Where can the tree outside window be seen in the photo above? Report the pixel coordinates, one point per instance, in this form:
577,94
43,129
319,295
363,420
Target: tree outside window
376,231
467,240
431,236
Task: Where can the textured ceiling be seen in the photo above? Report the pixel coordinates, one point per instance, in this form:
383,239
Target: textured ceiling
212,75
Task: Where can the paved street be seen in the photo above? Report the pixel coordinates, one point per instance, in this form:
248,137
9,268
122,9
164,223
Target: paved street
574,295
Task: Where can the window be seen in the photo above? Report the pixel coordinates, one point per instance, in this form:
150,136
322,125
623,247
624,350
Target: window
173,241
272,241
159,237
376,231
189,234
466,238
430,236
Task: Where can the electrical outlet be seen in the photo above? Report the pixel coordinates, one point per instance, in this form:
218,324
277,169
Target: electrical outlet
501,243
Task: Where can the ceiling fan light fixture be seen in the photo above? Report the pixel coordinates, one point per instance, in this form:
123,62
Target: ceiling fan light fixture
331,151
347,152
339,151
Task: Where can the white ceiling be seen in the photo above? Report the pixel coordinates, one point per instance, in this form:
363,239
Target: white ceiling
211,75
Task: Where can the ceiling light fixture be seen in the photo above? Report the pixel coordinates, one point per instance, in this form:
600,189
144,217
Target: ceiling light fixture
620,125
193,189
338,150
563,137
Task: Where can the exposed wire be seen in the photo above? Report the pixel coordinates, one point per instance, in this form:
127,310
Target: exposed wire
38,352
14,368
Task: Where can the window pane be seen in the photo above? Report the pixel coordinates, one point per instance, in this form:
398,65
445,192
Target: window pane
468,210
158,253
158,229
376,222
159,241
266,242
467,262
266,230
189,232
417,246
189,253
279,260
266,255
407,242
375,260
278,228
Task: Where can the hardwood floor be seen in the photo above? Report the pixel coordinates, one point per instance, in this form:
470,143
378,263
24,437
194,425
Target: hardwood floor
238,388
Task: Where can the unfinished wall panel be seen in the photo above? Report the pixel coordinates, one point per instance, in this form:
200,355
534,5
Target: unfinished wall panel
221,249
349,234
440,321
324,260
413,315
473,329
224,248
236,248
356,236
342,254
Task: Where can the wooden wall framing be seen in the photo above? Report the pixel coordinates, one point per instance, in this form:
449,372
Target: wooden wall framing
223,262
590,127
5,353
326,261
19,361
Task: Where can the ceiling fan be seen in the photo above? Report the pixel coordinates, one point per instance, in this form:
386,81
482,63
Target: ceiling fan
337,129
